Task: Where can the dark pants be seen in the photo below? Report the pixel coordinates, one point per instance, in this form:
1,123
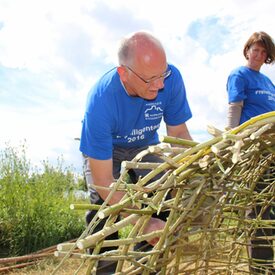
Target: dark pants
119,155
261,250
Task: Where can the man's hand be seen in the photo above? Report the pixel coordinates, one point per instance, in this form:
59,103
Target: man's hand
153,225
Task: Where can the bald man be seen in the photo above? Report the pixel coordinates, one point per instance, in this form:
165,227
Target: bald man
123,114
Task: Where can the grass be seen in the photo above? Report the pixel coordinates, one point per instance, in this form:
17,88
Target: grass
34,205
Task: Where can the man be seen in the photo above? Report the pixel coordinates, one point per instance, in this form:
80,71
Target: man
124,112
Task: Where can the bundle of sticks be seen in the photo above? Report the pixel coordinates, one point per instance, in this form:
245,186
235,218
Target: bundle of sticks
204,188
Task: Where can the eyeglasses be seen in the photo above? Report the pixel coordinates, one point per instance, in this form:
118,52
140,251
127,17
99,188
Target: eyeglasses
163,76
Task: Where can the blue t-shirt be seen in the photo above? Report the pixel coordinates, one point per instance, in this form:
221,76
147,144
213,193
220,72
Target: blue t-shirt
113,118
255,89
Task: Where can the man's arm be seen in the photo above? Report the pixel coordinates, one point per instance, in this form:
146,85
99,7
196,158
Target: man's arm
102,174
179,131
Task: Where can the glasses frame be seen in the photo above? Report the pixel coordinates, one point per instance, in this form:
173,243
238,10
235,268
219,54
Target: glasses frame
164,76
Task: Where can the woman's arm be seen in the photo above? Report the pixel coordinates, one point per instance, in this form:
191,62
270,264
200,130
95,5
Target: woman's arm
234,114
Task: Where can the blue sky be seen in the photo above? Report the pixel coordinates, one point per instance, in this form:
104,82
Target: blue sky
51,53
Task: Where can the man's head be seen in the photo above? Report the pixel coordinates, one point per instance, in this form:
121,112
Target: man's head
143,65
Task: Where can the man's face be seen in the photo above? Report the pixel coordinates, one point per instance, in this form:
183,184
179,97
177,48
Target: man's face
146,85
144,75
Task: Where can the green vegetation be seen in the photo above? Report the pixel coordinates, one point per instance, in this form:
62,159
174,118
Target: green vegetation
34,204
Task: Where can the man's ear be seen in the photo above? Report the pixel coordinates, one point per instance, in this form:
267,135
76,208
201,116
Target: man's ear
122,72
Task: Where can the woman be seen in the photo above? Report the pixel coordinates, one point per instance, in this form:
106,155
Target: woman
252,93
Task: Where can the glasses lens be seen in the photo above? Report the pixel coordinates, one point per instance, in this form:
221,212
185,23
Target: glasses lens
163,76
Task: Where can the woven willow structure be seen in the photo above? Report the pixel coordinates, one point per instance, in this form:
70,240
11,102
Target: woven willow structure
207,230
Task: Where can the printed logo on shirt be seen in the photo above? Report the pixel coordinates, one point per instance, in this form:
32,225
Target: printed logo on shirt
270,95
139,134
153,111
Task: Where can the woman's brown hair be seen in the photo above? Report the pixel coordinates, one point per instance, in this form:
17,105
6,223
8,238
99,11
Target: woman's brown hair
266,41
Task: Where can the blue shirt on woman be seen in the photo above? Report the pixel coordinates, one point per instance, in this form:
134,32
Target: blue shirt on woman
253,88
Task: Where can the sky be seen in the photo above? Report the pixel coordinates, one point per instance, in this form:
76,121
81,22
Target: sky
53,51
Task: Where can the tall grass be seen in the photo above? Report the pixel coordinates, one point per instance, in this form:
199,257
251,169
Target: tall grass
34,204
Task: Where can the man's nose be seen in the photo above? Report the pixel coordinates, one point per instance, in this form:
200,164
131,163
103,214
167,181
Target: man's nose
158,83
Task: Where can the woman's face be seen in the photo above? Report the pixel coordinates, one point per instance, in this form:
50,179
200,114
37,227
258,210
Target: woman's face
256,56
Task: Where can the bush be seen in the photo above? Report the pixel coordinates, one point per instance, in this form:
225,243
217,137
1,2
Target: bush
34,205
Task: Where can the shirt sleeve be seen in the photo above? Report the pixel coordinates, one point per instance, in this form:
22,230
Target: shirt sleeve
236,86
96,137
177,110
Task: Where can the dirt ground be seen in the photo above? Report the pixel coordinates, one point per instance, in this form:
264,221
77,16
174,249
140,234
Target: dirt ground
47,266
